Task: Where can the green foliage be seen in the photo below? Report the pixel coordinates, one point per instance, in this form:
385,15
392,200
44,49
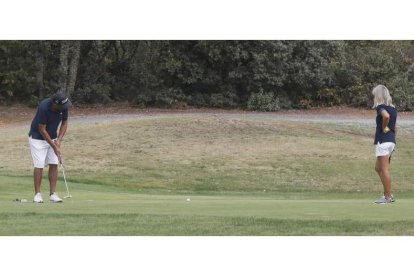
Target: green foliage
16,62
358,95
329,97
403,96
227,99
221,74
363,65
305,104
165,98
95,93
263,102
34,101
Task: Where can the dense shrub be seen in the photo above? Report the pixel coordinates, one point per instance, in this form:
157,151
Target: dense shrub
257,75
91,94
401,90
263,102
329,97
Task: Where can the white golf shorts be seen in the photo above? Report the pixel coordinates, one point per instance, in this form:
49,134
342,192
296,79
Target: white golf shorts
384,149
42,153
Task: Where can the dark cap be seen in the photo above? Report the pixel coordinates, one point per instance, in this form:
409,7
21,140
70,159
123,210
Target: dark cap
60,99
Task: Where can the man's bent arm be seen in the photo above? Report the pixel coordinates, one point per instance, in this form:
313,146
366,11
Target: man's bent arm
62,130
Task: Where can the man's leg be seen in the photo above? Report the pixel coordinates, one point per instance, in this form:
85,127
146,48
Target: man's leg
37,179
38,150
53,174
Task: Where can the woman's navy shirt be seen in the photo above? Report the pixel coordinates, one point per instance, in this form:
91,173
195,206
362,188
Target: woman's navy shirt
380,136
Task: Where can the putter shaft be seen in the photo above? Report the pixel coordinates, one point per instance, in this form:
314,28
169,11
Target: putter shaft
68,195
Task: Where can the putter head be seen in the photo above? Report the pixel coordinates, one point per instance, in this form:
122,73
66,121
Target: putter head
68,196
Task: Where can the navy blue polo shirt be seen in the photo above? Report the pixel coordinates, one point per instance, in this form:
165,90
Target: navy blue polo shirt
380,136
46,116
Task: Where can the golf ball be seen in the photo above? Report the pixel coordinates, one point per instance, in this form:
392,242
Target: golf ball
188,199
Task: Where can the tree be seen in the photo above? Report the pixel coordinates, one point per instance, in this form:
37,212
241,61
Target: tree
69,61
39,57
73,67
17,81
264,75
64,67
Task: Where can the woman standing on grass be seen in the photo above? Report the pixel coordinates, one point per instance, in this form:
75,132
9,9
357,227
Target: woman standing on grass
384,139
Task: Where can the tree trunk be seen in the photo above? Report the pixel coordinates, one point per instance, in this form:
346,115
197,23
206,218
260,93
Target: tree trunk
64,68
73,68
40,70
69,61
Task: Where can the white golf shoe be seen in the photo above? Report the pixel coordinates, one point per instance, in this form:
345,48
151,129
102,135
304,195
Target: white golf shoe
55,198
384,200
38,198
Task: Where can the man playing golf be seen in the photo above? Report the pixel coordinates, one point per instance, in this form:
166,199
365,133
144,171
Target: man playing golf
384,139
45,141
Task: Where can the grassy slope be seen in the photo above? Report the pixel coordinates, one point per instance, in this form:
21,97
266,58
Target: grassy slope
132,178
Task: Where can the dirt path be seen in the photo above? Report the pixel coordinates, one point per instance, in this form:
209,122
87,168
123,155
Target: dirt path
361,118
22,116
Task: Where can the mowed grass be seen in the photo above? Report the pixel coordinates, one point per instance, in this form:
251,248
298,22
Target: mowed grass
244,177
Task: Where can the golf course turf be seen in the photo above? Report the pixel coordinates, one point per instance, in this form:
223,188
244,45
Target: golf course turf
243,176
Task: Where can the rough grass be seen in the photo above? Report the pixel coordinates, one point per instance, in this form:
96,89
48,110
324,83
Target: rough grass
231,155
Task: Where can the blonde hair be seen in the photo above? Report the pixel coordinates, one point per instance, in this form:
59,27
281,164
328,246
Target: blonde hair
381,96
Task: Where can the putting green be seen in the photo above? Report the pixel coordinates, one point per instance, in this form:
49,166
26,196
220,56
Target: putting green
92,212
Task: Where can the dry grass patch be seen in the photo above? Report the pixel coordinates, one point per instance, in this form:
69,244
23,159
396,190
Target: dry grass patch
213,153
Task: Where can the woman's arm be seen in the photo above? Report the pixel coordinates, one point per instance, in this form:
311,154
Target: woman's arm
385,120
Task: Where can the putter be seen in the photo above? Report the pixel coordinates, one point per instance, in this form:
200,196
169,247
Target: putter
68,195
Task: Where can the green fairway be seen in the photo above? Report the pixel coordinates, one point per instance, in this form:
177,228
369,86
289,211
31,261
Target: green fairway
242,176
91,212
